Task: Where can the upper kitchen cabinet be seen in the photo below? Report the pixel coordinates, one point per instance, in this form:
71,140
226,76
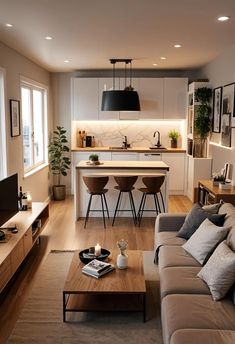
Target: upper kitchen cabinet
175,97
151,98
106,84
85,99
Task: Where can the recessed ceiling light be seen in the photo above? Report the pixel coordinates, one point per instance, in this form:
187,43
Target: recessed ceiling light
8,25
48,38
177,46
223,18
154,64
163,58
66,61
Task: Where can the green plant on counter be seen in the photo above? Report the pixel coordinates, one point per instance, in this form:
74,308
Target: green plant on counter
59,163
174,135
94,157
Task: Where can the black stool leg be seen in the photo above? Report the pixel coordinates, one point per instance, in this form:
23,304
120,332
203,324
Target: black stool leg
115,213
88,210
138,214
164,210
132,207
156,203
142,210
106,205
102,204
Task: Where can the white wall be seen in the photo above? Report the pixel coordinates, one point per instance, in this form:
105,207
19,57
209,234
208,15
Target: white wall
220,72
16,65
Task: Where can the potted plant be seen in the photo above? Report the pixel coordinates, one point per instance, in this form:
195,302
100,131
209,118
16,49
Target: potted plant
59,162
174,135
218,178
202,124
94,159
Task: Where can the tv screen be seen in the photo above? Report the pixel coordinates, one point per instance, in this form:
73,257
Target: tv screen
8,198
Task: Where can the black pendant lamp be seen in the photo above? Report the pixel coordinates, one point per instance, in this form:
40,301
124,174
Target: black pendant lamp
121,100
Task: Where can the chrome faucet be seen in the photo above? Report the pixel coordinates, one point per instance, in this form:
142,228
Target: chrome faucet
124,143
158,144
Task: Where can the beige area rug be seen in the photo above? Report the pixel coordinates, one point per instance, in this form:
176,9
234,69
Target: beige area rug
41,318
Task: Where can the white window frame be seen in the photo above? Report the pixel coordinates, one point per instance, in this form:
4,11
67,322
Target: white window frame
3,137
34,85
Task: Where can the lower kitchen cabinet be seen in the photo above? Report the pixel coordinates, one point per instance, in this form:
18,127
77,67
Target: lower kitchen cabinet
150,156
125,156
176,162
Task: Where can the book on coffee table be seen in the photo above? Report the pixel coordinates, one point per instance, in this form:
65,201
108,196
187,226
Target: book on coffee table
96,268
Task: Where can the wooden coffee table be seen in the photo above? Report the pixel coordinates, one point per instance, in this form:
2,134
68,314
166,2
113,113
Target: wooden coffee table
119,290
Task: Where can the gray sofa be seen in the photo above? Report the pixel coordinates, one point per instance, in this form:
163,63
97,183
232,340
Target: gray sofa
189,314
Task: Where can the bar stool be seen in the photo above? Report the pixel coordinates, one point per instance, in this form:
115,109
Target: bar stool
125,184
95,186
153,187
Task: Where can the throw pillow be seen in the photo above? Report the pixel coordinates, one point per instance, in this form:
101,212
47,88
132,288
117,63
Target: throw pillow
204,240
212,208
219,271
195,217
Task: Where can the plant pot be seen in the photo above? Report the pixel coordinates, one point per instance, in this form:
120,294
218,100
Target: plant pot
200,148
173,143
59,192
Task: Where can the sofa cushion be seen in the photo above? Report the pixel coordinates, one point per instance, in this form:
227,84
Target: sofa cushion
204,240
231,237
219,271
195,312
167,238
195,217
182,280
175,256
212,208
192,336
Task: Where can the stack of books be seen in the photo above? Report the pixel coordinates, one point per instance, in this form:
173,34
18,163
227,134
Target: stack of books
96,268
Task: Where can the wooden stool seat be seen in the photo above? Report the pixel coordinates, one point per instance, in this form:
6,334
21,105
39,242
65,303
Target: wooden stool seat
95,186
125,184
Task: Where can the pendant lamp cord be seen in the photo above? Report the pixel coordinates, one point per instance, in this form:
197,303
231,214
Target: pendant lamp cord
131,74
125,74
114,76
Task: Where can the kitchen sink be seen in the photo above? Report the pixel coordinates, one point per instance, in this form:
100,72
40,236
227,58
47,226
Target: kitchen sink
118,147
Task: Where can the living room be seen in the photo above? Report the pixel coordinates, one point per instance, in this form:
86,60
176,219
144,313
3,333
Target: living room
207,52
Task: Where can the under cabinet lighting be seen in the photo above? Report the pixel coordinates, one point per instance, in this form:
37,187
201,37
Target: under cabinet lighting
223,18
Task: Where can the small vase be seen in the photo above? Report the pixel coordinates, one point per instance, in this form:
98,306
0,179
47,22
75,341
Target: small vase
122,261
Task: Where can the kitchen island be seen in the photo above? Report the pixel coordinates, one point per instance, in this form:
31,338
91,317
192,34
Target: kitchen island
117,168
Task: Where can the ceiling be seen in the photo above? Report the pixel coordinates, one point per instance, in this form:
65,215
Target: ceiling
90,32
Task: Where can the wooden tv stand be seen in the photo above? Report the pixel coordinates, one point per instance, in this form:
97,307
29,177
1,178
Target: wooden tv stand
18,245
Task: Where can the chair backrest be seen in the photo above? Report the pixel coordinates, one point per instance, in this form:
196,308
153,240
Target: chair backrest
153,184
125,183
95,184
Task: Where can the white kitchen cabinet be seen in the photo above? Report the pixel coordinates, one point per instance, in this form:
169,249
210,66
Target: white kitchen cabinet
198,168
106,84
176,163
85,98
150,156
175,98
126,156
151,98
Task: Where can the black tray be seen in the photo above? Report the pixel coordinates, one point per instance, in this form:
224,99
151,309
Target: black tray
104,255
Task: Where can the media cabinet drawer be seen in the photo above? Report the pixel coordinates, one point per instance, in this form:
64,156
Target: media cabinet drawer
17,256
5,272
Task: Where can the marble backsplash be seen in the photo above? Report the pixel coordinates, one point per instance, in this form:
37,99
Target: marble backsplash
139,133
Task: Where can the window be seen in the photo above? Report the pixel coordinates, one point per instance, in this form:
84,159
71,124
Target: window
3,161
34,124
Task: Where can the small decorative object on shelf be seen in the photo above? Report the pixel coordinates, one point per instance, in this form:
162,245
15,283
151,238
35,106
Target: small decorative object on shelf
122,256
218,178
173,135
94,159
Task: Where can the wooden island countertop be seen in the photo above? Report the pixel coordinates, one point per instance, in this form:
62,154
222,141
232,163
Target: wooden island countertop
125,165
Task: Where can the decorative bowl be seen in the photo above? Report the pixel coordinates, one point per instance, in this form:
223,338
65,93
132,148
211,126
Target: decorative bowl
86,257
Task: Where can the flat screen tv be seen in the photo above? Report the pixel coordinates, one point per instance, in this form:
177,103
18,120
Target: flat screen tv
8,198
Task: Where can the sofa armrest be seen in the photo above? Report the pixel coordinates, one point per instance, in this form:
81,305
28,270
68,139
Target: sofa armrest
169,222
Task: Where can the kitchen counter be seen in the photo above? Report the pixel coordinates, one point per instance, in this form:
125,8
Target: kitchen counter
132,149
117,168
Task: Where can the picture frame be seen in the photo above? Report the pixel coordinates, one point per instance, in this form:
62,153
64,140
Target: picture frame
226,130
217,107
15,117
228,102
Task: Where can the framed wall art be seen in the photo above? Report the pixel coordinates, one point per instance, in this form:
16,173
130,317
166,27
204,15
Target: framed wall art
217,106
228,102
15,117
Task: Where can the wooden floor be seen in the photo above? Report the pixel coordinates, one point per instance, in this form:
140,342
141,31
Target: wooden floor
63,233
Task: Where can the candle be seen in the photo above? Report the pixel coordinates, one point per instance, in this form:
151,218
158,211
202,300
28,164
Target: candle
97,249
29,201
